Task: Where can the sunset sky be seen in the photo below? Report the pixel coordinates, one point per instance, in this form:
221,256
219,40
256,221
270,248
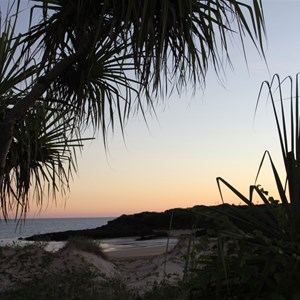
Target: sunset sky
194,139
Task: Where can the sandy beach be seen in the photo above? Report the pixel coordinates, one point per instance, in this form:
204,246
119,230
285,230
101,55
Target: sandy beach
136,252
140,251
138,267
142,268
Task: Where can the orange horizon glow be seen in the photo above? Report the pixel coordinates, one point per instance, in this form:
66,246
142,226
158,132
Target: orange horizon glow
174,160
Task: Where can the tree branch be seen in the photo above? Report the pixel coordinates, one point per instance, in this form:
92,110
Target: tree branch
20,109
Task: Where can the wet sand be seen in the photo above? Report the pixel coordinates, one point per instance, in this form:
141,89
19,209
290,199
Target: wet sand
137,252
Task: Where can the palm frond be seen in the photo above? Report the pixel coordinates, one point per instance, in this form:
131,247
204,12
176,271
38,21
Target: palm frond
287,125
41,158
171,43
283,215
91,62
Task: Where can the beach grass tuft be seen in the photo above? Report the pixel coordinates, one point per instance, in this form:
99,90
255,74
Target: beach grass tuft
84,244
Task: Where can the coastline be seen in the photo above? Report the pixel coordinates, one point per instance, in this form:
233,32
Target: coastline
140,268
137,252
117,246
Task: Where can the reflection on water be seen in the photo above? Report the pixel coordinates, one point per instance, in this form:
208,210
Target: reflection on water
127,243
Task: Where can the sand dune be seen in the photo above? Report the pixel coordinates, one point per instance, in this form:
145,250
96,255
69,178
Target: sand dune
137,267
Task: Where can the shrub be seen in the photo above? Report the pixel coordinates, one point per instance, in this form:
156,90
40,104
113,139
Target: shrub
84,244
261,258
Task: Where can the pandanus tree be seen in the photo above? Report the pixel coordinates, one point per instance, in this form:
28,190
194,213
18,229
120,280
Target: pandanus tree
90,63
258,246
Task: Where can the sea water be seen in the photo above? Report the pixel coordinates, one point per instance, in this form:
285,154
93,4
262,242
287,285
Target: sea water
12,231
25,228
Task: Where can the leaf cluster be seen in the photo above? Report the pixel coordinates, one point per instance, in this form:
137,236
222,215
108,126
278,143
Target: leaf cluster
260,258
86,63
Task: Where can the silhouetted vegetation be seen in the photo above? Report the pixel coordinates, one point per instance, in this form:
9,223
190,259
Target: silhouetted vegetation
156,224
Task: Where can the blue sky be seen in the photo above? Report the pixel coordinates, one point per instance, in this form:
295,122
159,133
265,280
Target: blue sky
194,139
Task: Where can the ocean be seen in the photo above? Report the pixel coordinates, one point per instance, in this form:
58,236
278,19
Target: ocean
11,232
14,229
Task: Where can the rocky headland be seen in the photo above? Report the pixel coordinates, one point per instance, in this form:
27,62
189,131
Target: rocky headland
148,225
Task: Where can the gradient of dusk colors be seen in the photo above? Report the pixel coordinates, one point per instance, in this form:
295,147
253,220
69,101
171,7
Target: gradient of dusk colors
194,139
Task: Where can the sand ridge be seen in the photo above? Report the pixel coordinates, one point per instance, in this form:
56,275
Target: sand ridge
140,271
137,268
